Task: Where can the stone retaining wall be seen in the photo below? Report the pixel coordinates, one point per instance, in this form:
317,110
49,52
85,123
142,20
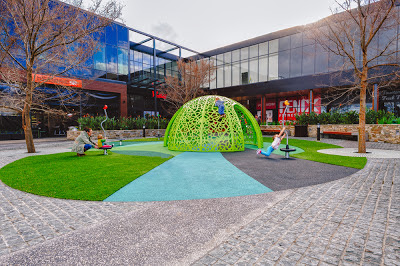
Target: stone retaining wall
119,134
385,133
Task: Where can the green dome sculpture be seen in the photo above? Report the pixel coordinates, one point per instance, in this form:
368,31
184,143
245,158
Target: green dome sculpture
197,126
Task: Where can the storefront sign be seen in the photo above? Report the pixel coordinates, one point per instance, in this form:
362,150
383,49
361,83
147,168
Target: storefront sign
298,105
57,81
159,96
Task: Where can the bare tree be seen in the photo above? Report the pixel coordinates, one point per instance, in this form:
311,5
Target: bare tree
189,83
364,34
40,41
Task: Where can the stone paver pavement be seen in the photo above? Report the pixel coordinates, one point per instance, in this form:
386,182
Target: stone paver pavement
27,220
351,221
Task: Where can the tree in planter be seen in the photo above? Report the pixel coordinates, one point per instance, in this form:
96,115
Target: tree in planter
46,37
192,78
361,36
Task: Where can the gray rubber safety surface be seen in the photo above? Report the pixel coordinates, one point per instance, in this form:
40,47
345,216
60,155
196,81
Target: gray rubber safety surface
279,173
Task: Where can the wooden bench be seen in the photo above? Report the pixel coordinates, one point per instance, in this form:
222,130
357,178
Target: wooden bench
344,135
270,131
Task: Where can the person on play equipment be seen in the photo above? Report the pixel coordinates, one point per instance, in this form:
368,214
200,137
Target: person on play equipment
221,107
83,142
277,138
101,143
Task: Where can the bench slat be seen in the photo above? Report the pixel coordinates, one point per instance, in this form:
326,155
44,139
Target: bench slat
337,133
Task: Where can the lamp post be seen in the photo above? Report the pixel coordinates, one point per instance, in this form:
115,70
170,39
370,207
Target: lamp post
318,132
144,131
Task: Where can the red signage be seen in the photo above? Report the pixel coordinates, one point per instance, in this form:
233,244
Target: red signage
269,104
298,105
57,81
160,96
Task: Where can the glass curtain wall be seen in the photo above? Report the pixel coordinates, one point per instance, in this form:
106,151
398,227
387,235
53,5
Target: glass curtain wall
111,61
286,57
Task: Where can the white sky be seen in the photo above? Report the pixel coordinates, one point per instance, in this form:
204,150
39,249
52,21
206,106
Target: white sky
209,24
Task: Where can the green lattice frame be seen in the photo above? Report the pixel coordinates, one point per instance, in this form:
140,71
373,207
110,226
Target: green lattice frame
197,126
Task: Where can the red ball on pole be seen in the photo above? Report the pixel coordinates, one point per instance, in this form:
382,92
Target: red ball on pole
105,107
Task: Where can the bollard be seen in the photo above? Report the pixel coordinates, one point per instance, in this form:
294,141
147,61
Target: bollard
144,131
318,132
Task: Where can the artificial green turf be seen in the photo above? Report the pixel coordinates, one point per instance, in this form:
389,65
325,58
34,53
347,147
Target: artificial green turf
310,153
67,176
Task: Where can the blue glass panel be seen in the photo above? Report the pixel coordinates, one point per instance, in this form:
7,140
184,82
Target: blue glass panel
99,59
99,36
123,37
112,59
111,34
122,61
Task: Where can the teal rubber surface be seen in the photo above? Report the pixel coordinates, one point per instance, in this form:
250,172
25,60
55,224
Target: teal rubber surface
190,175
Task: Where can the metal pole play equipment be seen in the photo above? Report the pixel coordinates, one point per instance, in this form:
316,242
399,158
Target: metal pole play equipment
105,111
287,150
105,147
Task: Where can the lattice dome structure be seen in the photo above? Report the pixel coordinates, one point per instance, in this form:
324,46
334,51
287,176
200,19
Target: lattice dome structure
197,126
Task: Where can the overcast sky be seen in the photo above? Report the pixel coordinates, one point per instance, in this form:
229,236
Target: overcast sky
209,24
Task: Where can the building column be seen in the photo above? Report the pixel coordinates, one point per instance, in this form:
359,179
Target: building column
311,99
263,117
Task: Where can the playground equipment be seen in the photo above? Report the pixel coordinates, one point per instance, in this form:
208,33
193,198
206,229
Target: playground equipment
105,147
197,126
287,149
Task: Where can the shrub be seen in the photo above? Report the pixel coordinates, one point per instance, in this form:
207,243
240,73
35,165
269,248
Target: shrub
302,119
122,123
350,117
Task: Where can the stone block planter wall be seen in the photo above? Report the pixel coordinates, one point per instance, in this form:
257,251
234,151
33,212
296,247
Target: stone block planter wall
119,134
385,133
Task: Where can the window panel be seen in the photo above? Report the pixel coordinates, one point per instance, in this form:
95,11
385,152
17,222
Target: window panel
228,57
123,37
220,77
263,48
263,68
321,60
296,40
220,59
122,61
111,34
244,53
284,43
235,55
295,62
308,60
253,71
273,46
228,75
244,72
273,66
112,59
235,74
99,59
253,51
283,64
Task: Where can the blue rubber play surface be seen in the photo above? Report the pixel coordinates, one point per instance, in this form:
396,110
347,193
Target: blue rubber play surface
190,175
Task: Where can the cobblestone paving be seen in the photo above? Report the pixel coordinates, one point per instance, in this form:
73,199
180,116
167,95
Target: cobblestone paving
354,144
26,219
355,220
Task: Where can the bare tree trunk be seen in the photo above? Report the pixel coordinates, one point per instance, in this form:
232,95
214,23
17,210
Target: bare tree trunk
26,118
361,127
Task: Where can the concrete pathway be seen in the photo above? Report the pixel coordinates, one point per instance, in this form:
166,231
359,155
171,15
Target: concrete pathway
354,220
